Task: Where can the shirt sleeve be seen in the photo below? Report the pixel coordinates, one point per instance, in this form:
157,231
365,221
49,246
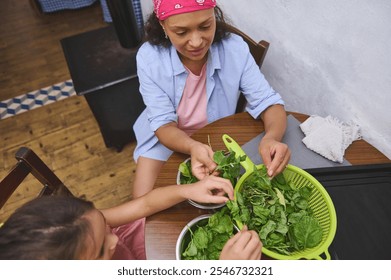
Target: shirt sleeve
256,89
154,88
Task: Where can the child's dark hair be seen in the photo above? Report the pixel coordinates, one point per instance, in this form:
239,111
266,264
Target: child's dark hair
154,34
49,227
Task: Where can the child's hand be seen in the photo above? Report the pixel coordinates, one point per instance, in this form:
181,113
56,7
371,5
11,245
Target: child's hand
245,245
211,189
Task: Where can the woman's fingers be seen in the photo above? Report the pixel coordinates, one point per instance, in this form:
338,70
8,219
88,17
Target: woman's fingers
275,155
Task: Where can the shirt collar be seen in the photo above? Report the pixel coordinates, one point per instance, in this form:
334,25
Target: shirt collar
213,60
176,62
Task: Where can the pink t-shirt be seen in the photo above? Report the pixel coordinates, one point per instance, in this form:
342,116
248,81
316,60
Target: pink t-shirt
131,241
192,107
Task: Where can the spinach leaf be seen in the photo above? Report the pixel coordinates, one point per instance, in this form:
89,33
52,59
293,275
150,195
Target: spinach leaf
186,176
307,233
200,238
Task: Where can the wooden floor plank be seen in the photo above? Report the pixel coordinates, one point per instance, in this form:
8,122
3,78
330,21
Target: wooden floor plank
73,149
64,134
30,52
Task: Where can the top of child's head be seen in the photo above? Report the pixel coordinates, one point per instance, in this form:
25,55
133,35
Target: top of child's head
54,228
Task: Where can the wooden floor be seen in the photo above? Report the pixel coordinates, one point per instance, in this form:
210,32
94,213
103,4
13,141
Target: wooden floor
64,134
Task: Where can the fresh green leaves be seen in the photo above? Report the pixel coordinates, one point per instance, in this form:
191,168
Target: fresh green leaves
228,167
278,211
306,233
207,241
186,177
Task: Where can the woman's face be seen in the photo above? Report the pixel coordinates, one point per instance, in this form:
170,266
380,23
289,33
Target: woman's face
101,242
191,34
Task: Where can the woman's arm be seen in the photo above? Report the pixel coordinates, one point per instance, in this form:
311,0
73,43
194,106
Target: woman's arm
161,198
177,140
275,154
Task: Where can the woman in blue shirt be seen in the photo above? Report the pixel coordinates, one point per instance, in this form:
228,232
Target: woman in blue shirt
184,39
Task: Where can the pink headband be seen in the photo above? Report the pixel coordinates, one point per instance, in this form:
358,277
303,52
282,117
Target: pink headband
166,8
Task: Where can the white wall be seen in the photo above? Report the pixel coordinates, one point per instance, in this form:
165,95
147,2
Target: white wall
326,57
146,7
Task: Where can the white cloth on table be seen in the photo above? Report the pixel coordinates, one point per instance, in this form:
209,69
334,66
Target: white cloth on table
329,136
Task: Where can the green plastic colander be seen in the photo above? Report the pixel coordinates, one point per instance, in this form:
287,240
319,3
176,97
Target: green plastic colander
320,202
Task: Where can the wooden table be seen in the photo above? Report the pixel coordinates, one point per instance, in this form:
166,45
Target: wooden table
163,228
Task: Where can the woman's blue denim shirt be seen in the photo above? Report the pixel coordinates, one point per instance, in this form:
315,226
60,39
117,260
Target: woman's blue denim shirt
230,69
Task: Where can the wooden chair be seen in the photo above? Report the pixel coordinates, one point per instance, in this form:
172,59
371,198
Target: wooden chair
257,50
30,163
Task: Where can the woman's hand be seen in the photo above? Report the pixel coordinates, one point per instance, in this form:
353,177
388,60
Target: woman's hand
245,245
202,163
211,189
275,155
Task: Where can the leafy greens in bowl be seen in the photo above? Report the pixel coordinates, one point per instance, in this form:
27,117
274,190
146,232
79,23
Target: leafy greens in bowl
228,166
204,237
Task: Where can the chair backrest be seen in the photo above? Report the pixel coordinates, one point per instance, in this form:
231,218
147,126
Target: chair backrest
257,50
30,163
